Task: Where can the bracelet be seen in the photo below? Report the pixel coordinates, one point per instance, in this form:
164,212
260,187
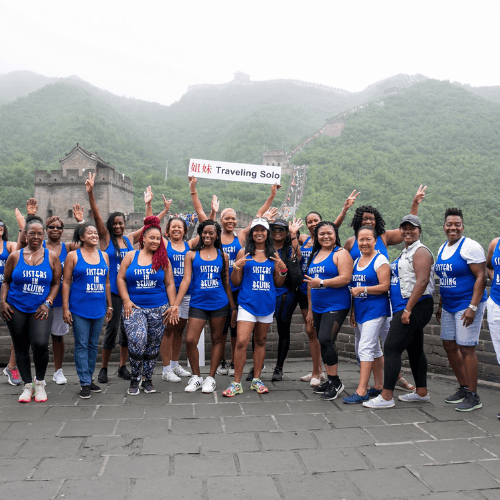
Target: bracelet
343,212
110,308
81,221
194,193
47,304
283,270
406,311
366,291
236,267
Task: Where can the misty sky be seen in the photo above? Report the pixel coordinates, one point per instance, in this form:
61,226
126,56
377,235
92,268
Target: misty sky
153,50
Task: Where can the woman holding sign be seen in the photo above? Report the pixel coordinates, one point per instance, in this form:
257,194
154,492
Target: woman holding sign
211,299
145,280
257,271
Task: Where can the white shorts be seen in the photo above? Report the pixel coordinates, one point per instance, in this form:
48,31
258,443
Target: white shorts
59,327
369,333
244,315
494,324
184,307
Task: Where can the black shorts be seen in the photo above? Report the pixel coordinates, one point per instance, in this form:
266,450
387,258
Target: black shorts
194,312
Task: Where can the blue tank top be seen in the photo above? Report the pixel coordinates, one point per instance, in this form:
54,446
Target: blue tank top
114,262
456,281
257,293
3,259
231,250
328,299
304,259
368,307
398,302
208,292
146,288
379,246
177,261
87,296
495,282
30,285
62,258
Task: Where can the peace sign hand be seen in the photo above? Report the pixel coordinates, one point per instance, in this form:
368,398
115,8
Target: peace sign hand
241,262
166,203
349,202
420,194
89,183
279,263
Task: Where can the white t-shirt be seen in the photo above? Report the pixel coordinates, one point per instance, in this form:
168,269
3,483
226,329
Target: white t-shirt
472,252
380,260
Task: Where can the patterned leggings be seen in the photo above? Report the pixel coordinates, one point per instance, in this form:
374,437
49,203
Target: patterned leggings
144,330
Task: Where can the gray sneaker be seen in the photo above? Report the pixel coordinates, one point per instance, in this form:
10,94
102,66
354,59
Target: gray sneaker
470,402
13,377
458,397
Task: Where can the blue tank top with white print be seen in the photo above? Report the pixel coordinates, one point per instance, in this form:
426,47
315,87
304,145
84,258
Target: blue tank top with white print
177,261
231,250
257,292
62,258
114,262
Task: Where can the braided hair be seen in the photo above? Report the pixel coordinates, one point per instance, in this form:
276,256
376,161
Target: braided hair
358,216
160,257
317,246
217,243
112,235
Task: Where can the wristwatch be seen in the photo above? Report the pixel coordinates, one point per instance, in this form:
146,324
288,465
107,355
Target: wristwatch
474,308
321,284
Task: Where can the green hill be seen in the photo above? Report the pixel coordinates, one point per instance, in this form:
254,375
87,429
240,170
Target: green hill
432,133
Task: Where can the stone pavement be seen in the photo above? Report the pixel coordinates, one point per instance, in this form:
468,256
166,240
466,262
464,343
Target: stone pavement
283,445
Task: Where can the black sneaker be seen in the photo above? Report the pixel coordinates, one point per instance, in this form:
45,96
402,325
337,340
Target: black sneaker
133,389
147,386
94,387
250,375
123,373
277,375
85,392
470,402
333,390
458,397
321,388
103,376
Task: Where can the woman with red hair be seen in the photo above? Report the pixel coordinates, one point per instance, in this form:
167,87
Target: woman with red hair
146,285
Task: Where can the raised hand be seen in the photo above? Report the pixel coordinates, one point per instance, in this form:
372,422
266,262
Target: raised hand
279,263
78,212
274,188
349,202
420,194
241,262
192,183
148,195
271,214
166,203
215,204
20,219
31,206
89,183
295,225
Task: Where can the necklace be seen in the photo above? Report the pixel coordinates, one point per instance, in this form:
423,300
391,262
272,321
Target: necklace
31,254
257,250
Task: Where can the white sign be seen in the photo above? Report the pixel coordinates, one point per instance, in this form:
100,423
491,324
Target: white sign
240,172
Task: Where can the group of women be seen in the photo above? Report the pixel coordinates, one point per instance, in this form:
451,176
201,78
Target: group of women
239,284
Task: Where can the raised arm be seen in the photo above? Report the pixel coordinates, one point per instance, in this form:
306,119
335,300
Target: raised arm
394,236
348,203
198,207
264,208
99,223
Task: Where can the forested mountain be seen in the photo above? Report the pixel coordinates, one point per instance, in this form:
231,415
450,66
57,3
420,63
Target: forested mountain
414,131
432,133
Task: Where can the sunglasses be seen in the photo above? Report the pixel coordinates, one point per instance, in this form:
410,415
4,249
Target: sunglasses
278,229
59,228
2,224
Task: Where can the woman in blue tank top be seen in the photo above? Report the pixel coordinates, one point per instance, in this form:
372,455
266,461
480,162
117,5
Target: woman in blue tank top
32,277
328,276
371,279
146,285
231,244
211,298
462,280
6,248
86,298
257,271
493,302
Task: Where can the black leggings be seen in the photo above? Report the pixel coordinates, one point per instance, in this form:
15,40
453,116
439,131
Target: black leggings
328,325
27,331
410,338
285,307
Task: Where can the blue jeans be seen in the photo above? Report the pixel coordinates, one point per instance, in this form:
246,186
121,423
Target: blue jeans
86,332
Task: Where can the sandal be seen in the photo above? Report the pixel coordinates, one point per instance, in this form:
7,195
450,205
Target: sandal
404,385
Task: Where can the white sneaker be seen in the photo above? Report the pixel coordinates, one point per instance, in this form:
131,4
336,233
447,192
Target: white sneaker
208,385
181,372
40,394
59,377
222,369
379,403
194,384
413,397
27,393
170,376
